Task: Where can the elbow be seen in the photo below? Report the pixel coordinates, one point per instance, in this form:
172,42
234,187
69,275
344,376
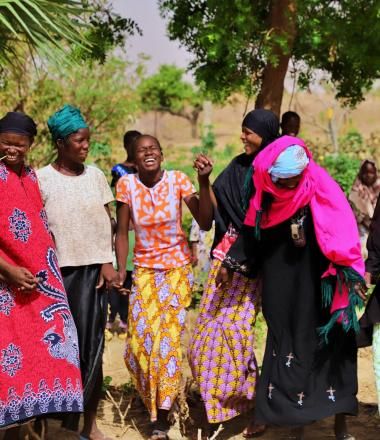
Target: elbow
205,225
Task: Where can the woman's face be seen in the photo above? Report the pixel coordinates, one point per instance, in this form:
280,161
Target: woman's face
251,140
369,174
289,182
76,146
14,147
148,155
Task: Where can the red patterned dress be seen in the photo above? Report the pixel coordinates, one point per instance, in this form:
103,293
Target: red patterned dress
39,356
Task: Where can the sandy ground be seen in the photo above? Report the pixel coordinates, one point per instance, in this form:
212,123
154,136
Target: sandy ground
364,427
126,418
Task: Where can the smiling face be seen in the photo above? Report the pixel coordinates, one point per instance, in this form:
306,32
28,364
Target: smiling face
75,147
251,140
148,154
14,146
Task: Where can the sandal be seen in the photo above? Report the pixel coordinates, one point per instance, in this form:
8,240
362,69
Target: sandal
157,434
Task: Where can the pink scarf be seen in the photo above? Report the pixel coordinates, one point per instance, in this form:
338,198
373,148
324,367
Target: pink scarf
334,223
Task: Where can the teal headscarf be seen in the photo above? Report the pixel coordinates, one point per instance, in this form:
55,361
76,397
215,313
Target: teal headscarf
65,121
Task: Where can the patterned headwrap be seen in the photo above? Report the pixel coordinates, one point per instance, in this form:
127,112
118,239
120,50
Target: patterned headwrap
18,122
291,162
65,121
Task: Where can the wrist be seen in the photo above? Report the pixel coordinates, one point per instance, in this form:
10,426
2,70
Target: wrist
204,180
5,269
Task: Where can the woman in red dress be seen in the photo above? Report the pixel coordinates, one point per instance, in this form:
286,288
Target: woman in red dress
39,356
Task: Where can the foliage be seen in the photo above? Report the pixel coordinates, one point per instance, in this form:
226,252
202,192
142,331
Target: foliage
343,169
106,383
232,43
40,24
166,91
106,31
106,95
51,28
208,142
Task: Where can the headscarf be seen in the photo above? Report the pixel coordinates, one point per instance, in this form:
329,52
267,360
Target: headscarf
264,123
334,224
364,197
233,187
17,122
65,121
290,163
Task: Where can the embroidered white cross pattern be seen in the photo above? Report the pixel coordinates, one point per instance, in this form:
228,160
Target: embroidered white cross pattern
331,393
270,389
301,395
289,357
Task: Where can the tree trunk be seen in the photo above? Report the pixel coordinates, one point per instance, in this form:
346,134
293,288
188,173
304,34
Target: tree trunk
194,123
281,23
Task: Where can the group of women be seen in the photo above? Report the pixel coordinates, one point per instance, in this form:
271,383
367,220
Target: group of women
286,240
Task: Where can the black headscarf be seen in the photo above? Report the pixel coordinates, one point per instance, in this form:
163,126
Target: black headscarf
18,122
234,187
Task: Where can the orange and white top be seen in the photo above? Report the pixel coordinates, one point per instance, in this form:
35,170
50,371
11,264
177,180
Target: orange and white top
157,217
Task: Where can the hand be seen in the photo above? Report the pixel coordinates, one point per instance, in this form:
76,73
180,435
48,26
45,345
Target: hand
361,290
193,260
368,278
107,277
223,277
119,284
21,278
203,165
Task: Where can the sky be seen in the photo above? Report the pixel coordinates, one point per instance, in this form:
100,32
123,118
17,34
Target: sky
154,41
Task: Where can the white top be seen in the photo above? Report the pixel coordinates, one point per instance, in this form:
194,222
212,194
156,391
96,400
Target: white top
76,215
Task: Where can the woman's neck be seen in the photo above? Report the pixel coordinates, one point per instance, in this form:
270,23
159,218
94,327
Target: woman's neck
68,167
150,179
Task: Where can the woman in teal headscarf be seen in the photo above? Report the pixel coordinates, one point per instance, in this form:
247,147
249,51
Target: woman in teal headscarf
76,198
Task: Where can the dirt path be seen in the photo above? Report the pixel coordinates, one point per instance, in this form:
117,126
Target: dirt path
136,425
364,427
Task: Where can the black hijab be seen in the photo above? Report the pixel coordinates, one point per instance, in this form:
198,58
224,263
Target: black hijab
234,187
18,122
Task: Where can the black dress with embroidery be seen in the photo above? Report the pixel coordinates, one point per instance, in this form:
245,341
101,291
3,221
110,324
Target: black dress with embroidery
302,380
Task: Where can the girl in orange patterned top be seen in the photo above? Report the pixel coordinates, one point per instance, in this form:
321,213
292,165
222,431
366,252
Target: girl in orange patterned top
162,278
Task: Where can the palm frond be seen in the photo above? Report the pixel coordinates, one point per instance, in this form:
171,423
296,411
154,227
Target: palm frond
46,26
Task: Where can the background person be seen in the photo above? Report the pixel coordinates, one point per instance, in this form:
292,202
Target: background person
363,197
118,301
290,124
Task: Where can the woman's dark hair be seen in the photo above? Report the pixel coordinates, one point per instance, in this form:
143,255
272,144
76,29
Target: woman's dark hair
129,138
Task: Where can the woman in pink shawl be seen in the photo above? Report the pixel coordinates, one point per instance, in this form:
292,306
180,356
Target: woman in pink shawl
300,235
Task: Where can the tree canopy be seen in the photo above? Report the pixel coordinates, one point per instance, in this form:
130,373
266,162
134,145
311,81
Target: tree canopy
167,92
246,45
105,93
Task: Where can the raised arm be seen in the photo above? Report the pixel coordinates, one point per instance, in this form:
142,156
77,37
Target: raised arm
202,208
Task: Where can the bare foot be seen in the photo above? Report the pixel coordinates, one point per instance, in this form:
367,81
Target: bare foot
95,434
253,430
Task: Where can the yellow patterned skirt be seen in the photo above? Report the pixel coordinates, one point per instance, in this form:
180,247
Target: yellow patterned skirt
157,311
